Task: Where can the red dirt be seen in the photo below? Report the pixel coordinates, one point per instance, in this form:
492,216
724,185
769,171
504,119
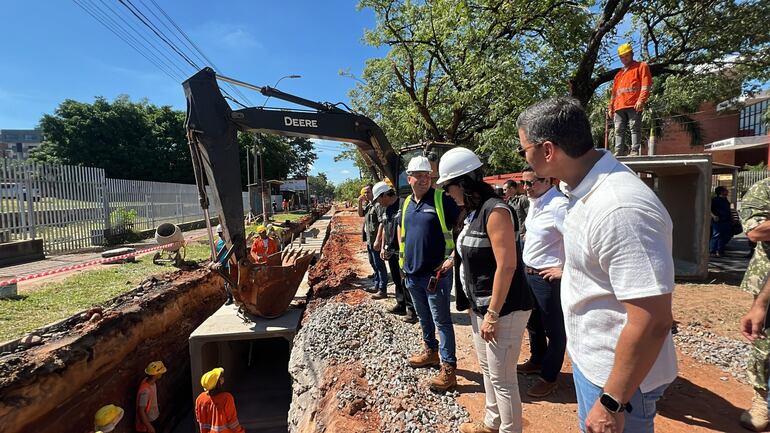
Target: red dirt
702,399
354,416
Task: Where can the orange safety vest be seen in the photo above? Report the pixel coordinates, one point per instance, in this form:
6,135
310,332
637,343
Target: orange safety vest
142,386
258,252
631,84
217,413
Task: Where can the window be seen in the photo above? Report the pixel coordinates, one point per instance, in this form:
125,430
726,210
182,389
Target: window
752,118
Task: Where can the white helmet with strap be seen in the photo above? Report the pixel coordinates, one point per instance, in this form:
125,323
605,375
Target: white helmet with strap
457,162
418,163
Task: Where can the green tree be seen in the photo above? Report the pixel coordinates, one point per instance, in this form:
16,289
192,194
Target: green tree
320,186
349,189
281,157
130,140
461,71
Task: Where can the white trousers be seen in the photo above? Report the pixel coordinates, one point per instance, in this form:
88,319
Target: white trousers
498,361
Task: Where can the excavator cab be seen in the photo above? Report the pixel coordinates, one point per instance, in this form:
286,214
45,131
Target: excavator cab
432,150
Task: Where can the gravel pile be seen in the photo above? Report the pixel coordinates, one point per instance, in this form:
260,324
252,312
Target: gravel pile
726,353
338,333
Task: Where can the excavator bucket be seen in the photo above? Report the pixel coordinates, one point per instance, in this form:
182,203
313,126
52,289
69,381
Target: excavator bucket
266,290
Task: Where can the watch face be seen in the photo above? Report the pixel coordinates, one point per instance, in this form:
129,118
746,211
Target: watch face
607,401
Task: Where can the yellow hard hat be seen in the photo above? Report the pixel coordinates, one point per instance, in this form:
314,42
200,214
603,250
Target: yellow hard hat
388,182
210,379
261,229
625,49
107,418
155,368
363,191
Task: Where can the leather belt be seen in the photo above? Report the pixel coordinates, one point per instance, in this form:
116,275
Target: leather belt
531,271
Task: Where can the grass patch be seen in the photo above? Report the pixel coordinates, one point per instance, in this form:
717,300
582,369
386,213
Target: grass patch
61,299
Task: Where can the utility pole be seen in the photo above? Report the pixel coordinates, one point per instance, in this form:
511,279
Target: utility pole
262,185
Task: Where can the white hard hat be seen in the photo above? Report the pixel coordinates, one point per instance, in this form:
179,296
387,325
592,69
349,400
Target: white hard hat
418,163
220,229
380,188
457,162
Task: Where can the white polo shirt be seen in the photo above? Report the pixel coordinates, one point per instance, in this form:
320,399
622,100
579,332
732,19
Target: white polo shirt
617,243
543,245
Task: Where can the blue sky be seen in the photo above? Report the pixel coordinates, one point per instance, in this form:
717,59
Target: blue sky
53,50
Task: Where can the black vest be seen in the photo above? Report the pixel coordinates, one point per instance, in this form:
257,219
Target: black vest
480,265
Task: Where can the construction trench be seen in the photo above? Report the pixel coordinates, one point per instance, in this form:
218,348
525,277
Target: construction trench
57,377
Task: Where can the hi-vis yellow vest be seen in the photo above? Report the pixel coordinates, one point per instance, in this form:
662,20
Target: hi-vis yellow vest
449,243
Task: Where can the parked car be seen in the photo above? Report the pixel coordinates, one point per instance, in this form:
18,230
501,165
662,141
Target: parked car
17,191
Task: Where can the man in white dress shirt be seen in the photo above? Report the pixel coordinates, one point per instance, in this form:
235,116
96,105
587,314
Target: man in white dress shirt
618,272
543,258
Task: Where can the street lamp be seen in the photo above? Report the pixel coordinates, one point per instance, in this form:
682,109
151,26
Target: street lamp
275,86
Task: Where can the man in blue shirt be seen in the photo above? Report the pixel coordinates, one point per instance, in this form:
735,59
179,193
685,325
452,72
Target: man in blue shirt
426,250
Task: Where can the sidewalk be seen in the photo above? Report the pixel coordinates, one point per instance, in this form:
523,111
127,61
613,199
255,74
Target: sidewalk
64,260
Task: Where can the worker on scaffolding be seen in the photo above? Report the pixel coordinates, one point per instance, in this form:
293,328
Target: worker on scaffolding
263,246
147,411
214,407
630,91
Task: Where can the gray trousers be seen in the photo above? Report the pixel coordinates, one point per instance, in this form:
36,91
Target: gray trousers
625,119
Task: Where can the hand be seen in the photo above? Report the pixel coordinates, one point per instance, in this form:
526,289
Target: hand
488,330
382,255
610,113
446,266
600,420
550,274
215,266
753,324
377,246
639,106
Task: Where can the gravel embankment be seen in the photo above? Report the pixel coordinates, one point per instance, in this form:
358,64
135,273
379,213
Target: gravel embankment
726,353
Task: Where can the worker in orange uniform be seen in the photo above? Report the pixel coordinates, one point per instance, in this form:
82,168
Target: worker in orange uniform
630,92
215,408
263,246
147,412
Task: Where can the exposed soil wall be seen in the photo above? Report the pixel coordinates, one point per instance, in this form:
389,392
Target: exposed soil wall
98,358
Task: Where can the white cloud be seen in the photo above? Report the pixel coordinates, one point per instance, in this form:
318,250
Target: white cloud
240,38
228,35
345,172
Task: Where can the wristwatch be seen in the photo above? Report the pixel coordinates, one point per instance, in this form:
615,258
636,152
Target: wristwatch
613,405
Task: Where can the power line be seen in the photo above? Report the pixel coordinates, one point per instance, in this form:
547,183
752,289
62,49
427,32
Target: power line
129,43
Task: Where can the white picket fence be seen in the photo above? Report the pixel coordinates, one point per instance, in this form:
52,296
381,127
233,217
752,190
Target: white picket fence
71,208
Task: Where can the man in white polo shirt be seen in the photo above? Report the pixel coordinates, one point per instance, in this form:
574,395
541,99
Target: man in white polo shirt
618,273
543,258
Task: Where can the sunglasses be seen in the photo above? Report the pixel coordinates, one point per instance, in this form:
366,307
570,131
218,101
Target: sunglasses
523,150
532,182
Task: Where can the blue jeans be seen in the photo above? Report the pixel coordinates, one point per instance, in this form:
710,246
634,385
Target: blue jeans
380,271
641,419
547,337
721,233
433,311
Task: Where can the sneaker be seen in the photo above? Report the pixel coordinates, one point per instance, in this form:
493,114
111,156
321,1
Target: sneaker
380,295
427,358
410,317
229,300
542,389
633,153
398,310
371,276
445,379
528,367
756,418
476,427
371,290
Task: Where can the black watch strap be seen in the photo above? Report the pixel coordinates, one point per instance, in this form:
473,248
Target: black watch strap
614,405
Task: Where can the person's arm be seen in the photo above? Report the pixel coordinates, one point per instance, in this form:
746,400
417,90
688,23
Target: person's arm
641,271
361,208
644,94
379,241
231,416
140,410
500,231
753,323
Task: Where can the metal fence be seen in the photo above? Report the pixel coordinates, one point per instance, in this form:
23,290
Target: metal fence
72,208
748,178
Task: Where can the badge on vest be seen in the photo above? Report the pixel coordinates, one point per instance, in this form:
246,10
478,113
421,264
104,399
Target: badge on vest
429,211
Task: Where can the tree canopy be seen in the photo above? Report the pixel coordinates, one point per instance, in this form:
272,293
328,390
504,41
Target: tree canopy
139,140
460,71
320,186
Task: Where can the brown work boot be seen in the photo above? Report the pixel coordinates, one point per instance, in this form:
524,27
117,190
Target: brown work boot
427,358
528,367
476,427
542,389
445,379
755,419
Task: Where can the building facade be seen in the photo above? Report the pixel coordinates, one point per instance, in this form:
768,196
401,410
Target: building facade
18,143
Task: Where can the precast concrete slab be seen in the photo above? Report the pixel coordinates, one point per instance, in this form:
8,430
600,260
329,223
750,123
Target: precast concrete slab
254,351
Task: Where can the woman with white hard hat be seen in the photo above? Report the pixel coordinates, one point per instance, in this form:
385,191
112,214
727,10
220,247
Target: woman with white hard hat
499,307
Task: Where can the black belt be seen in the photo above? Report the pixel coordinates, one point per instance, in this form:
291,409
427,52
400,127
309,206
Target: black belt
531,271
